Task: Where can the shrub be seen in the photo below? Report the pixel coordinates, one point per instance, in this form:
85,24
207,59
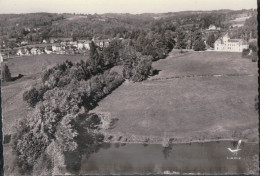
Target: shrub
199,45
93,121
32,96
254,57
245,52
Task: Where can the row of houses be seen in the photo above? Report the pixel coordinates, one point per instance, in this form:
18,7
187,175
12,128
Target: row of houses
64,47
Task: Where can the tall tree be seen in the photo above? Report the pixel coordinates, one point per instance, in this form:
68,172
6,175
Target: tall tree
211,40
94,57
181,43
6,74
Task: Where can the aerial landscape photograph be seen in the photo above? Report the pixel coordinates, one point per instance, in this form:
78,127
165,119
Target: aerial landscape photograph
124,87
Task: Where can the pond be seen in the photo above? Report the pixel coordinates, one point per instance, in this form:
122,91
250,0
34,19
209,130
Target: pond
207,158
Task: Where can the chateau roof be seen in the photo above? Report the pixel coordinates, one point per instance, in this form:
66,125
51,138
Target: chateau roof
241,41
234,40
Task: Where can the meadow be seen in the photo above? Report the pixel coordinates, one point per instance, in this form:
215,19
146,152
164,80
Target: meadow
197,96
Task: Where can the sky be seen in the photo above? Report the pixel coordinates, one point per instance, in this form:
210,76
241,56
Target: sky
120,6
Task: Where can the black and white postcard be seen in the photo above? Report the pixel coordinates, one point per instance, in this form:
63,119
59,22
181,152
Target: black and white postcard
123,87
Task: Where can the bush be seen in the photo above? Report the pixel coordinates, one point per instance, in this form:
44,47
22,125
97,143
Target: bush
254,57
245,52
256,103
32,96
199,45
93,121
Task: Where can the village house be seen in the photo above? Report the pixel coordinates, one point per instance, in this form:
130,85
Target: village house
24,43
40,50
22,52
102,43
232,45
106,43
34,51
63,43
52,40
86,45
212,27
56,48
74,44
48,49
80,45
27,29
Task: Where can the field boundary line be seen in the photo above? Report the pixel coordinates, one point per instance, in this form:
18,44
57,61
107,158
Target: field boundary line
200,76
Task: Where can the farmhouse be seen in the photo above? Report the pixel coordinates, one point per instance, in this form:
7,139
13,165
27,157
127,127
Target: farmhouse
232,45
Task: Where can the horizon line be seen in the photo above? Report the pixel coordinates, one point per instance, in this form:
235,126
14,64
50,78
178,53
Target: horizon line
78,13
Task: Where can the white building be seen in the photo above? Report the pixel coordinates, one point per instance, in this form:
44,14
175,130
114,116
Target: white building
56,48
80,46
48,50
86,45
212,27
1,58
22,52
34,51
232,45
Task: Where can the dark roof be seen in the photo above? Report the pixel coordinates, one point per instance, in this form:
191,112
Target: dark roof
234,40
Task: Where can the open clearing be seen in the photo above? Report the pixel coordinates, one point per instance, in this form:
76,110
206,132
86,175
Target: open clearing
13,106
196,96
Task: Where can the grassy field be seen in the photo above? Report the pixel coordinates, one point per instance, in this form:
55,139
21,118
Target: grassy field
196,96
14,108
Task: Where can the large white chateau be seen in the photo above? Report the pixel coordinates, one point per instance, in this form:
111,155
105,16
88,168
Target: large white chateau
232,45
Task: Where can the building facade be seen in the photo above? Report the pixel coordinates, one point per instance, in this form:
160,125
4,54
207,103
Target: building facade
231,45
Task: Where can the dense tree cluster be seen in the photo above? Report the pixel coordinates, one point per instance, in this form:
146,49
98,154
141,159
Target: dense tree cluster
137,67
57,112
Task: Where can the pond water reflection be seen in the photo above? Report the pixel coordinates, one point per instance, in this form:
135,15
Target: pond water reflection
210,157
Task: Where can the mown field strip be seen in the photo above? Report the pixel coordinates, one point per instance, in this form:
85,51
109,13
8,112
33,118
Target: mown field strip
199,76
